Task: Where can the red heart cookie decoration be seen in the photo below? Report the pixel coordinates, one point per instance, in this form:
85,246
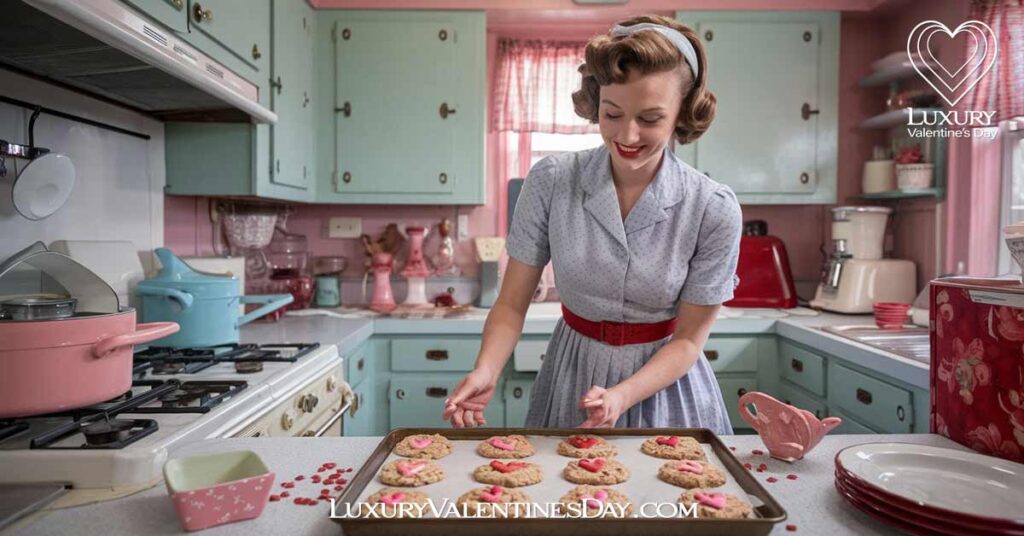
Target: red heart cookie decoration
492,495
582,442
670,441
592,464
506,467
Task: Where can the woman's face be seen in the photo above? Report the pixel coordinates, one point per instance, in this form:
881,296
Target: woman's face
637,118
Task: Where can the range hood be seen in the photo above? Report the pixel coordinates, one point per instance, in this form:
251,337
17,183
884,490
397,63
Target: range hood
107,49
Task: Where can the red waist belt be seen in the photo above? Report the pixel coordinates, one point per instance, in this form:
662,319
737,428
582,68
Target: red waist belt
619,333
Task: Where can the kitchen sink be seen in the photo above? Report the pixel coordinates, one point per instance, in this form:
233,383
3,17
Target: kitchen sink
911,343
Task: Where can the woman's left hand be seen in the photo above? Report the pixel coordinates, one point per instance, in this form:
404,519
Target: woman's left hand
603,407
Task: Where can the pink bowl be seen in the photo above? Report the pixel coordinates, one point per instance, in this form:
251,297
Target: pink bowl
213,489
888,306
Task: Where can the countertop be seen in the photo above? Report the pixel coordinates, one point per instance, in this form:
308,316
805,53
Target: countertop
348,333
811,501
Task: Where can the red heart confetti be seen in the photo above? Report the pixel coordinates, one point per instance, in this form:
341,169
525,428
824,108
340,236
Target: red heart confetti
670,441
772,479
732,448
593,465
287,484
300,477
791,528
322,469
757,452
791,476
339,488
285,494
762,466
315,479
275,498
582,442
299,500
747,466
330,465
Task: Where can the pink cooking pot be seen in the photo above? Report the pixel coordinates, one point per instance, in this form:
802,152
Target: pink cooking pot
67,363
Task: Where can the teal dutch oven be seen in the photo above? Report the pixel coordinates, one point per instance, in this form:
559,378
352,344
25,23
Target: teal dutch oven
204,305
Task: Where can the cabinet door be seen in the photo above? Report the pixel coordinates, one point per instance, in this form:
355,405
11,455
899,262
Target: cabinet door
291,94
732,390
759,142
393,78
360,421
517,401
170,13
419,401
242,28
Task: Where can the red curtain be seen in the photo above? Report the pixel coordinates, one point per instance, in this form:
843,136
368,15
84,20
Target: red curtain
534,82
1002,90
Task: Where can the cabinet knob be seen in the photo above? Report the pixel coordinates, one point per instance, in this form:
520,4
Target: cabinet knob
864,397
287,421
346,109
178,4
346,177
709,35
796,365
711,355
201,15
805,178
443,35
359,364
443,178
346,34
305,99
807,37
332,383
806,112
445,111
256,52
742,391
437,355
901,413
276,84
400,394
517,392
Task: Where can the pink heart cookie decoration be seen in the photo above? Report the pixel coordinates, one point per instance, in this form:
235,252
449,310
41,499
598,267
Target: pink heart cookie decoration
690,466
492,495
714,500
596,500
392,499
410,468
500,443
670,441
421,442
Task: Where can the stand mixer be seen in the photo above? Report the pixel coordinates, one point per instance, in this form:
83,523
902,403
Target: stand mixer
856,275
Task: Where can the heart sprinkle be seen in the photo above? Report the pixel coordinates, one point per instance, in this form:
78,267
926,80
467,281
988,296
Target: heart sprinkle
772,479
670,441
492,495
506,467
392,499
502,444
714,500
592,464
410,468
596,500
421,442
690,466
791,476
582,442
791,528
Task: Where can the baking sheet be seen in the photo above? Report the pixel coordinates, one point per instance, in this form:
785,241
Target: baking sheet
643,485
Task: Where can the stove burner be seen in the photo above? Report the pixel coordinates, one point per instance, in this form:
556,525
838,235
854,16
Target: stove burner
248,367
107,431
168,367
158,360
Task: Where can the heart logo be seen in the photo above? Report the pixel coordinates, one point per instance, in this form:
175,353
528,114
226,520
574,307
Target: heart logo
410,468
596,500
582,442
502,444
690,466
492,495
421,442
952,85
506,467
392,499
670,441
593,465
714,500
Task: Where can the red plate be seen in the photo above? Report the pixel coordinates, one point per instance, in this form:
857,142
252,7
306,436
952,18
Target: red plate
917,516
962,518
884,517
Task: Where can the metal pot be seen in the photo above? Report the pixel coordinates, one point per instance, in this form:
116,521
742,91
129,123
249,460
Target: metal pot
204,305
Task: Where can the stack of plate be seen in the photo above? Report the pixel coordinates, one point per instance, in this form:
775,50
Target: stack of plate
930,490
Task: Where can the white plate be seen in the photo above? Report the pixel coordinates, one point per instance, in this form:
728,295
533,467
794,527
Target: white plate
960,481
43,186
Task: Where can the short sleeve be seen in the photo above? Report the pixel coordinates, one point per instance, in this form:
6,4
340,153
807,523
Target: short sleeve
528,238
711,278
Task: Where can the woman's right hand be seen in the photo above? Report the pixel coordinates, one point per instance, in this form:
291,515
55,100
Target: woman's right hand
466,405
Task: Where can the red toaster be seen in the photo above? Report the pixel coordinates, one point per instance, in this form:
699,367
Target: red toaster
765,277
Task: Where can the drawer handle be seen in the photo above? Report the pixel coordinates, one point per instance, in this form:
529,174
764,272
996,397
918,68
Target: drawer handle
742,391
437,355
901,414
796,365
712,355
359,364
864,397
542,357
400,394
517,392
437,392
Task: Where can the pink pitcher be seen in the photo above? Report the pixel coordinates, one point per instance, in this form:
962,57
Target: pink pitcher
788,431
383,300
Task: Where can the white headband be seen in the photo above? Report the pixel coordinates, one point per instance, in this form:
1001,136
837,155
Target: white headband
677,39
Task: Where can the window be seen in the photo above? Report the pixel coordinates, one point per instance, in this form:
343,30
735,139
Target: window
1013,187
543,144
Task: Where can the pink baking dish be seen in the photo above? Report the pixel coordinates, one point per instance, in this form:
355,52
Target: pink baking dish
213,489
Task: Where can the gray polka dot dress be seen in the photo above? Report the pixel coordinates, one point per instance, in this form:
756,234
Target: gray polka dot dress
679,242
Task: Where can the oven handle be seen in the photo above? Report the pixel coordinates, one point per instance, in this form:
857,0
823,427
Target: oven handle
334,418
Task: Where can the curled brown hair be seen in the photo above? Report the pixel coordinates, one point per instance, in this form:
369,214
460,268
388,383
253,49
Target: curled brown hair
609,60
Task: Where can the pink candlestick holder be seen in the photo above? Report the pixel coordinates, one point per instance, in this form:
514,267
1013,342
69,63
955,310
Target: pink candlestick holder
416,266
383,299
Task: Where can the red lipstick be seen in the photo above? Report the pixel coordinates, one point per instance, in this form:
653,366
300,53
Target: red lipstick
628,153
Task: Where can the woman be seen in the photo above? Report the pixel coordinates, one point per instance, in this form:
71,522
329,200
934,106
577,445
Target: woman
644,250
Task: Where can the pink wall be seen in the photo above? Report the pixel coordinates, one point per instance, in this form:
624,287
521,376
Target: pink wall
804,229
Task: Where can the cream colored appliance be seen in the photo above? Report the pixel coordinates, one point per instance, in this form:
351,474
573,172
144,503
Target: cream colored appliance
856,275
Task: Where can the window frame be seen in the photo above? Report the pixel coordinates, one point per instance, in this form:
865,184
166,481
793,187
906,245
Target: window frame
1012,133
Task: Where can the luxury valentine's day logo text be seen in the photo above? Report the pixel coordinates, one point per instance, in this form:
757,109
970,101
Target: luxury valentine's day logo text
951,85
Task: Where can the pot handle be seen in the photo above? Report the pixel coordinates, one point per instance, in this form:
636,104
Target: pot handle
184,299
143,333
277,301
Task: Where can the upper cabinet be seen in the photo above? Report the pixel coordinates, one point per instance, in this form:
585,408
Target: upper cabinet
170,13
775,76
291,94
240,30
404,122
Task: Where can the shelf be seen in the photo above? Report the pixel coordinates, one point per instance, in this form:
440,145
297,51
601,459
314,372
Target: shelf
937,193
888,76
896,118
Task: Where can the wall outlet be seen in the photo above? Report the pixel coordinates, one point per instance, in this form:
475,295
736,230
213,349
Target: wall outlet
463,223
345,227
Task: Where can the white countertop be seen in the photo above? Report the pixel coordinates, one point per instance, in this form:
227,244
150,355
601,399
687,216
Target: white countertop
811,501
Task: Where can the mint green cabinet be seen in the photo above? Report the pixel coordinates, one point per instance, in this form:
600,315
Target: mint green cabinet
516,395
775,76
417,400
407,121
241,29
170,13
291,94
359,419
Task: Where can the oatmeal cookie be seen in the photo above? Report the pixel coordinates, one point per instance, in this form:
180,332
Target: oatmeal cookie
482,501
394,502
716,505
508,474
586,446
691,474
673,448
429,446
600,501
603,471
510,446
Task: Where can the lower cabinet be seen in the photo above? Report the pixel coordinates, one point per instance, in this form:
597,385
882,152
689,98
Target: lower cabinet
732,390
418,400
851,425
516,395
359,419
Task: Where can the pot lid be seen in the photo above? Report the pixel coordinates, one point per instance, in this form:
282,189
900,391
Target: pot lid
176,273
37,270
